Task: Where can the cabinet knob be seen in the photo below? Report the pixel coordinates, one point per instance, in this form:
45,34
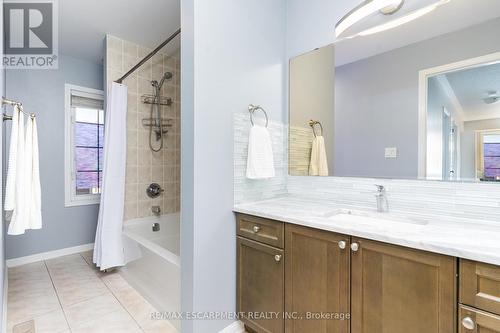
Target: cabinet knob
354,247
468,323
256,228
277,257
342,245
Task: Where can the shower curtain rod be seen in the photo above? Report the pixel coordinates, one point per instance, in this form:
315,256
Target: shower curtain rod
149,56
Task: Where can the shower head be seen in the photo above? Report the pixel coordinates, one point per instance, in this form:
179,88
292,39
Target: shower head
166,76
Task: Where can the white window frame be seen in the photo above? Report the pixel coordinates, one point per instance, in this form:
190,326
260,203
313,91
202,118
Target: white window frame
71,199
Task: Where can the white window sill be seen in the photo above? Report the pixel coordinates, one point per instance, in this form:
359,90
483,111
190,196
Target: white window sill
85,202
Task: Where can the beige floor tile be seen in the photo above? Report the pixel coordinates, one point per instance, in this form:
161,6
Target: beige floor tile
159,326
116,322
73,291
29,298
115,282
74,280
52,322
93,301
91,309
136,305
88,256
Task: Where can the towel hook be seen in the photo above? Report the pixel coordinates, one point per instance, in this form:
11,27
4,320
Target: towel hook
252,108
313,123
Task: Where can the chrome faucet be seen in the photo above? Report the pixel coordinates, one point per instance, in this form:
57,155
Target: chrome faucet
381,197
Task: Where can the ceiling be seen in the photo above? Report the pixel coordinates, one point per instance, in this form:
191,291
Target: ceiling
83,24
453,16
471,86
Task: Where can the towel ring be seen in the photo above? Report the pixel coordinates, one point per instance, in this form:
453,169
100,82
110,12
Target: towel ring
252,108
313,123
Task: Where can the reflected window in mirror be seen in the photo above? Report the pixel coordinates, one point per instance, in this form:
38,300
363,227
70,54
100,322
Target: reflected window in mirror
488,155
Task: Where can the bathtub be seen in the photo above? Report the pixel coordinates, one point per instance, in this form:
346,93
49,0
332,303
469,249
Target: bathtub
153,261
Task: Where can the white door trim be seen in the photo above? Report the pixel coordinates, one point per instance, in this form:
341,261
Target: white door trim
423,77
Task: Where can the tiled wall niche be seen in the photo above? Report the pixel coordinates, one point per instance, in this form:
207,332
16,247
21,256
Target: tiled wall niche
143,165
431,199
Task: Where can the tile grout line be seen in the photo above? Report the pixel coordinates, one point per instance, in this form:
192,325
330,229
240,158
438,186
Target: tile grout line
117,299
57,295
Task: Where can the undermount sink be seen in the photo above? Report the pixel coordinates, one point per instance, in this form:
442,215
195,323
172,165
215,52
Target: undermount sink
372,217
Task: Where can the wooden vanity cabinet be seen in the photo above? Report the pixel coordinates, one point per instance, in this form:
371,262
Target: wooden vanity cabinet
396,289
384,288
317,280
260,285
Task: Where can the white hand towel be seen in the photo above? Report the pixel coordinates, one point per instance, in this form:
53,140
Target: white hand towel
33,198
319,163
260,161
18,222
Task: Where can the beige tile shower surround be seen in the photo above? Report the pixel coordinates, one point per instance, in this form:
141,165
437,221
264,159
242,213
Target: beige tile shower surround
68,294
143,165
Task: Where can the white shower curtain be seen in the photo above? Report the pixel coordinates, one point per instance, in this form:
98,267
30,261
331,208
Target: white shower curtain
108,247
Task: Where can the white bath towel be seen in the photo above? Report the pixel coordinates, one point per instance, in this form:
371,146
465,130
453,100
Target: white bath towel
319,163
10,186
260,161
16,177
33,193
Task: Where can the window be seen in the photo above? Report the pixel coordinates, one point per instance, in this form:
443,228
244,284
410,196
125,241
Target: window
491,157
84,145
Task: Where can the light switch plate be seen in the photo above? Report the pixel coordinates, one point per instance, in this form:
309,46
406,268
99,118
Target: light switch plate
391,152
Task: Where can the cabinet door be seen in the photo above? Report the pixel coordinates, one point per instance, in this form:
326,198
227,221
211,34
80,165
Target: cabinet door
260,286
316,281
475,321
396,289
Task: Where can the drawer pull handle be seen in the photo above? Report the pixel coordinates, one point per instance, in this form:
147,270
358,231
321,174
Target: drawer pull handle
354,247
468,323
256,228
342,245
277,257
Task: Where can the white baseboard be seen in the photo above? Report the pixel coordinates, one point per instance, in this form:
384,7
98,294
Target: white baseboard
4,308
48,255
236,327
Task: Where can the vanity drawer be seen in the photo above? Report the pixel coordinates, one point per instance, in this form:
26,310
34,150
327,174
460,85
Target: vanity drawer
262,230
472,320
480,285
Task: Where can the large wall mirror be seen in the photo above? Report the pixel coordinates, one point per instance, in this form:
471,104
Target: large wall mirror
419,101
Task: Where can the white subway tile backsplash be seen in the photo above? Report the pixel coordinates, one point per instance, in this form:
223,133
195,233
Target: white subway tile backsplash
444,200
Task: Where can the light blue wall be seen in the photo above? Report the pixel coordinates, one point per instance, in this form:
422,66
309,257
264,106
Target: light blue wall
42,92
239,56
2,227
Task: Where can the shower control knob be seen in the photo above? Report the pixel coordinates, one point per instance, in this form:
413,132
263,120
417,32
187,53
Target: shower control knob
154,190
256,228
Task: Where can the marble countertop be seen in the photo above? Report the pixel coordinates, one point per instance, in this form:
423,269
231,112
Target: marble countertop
455,237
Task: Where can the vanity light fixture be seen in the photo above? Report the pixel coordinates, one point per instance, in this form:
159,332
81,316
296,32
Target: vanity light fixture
370,16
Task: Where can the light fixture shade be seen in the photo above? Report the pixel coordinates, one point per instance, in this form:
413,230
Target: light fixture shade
367,19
